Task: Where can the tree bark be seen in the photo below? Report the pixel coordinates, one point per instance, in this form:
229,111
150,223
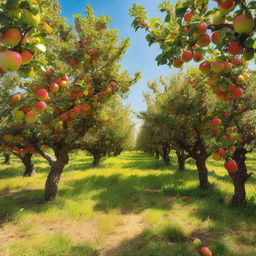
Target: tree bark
202,172
6,158
96,159
181,156
52,182
29,166
166,151
240,177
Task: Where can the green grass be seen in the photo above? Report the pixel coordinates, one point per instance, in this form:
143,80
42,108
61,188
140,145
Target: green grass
131,205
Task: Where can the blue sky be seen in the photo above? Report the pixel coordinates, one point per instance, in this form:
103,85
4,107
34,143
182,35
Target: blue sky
139,57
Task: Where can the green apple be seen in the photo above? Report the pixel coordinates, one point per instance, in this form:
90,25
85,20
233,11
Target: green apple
30,19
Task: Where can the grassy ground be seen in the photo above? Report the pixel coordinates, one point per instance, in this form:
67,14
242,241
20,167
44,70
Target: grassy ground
131,206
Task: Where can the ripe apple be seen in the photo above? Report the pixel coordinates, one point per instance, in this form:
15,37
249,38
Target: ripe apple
243,24
30,19
188,16
72,115
69,124
202,27
204,40
235,48
217,66
26,109
19,115
42,94
205,251
216,156
222,152
65,78
237,93
113,85
246,76
216,38
31,117
205,67
197,56
231,166
12,37
240,79
227,66
232,149
225,4
27,57
63,84
85,107
215,122
77,109
54,87
40,106
230,88
187,55
64,117
237,62
16,98
177,63
10,61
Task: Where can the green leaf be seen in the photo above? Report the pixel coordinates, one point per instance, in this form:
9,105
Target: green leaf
180,12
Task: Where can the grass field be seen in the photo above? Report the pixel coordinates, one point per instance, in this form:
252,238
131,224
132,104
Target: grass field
131,206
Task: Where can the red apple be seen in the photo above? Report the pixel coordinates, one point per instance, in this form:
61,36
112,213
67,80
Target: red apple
243,24
64,117
204,40
10,61
197,56
237,92
31,117
202,27
222,152
40,106
216,38
215,122
113,85
225,4
231,166
227,66
77,110
177,63
235,48
63,84
205,251
27,57
42,94
205,67
237,62
26,109
12,37
65,78
16,98
54,87
188,16
230,88
187,55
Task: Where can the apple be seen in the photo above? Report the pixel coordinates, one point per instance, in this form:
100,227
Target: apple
246,76
31,117
113,85
202,27
197,56
77,110
187,55
240,141
19,115
197,242
42,94
14,12
232,149
188,16
231,166
218,18
205,251
177,63
230,88
64,117
235,48
54,87
237,62
237,93
222,152
217,66
27,57
205,67
16,98
30,19
65,78
26,109
243,24
85,107
63,84
26,40
240,79
216,156
185,198
10,61
12,37
204,40
216,38
227,66
69,124
40,106
72,115
225,4
215,122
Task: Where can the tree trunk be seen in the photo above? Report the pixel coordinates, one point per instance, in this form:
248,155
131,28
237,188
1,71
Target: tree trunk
96,159
157,154
29,166
166,151
181,159
202,172
6,158
240,177
51,185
